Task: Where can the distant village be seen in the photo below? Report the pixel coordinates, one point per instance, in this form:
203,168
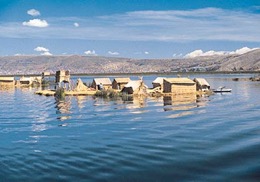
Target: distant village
161,85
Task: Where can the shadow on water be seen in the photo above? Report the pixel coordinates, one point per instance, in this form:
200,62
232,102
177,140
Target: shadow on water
183,105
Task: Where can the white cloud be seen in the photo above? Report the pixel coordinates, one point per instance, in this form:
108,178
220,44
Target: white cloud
146,52
46,53
242,50
198,53
33,12
90,53
41,49
113,53
208,24
76,24
36,23
193,54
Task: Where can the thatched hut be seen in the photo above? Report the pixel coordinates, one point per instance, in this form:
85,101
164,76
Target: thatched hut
119,83
179,86
201,84
7,81
158,82
80,86
101,83
135,87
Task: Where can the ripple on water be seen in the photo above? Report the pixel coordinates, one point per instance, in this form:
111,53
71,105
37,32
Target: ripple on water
212,138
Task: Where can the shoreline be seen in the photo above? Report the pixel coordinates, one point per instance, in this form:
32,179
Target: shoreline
140,74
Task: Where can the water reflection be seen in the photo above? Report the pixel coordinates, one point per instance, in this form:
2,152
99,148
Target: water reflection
179,102
7,89
202,101
63,106
81,101
134,102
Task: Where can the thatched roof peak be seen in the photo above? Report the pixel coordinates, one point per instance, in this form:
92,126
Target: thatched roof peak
104,81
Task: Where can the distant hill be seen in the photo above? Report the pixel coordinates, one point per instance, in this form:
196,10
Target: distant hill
19,65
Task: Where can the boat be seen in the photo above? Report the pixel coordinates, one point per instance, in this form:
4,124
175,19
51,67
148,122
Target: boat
222,89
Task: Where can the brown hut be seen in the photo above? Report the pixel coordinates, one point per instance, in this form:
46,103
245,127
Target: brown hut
135,87
101,83
179,86
158,82
201,84
119,83
7,81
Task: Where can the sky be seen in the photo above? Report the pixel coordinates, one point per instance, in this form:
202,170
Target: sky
129,28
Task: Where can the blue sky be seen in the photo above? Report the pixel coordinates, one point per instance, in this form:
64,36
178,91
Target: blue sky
128,28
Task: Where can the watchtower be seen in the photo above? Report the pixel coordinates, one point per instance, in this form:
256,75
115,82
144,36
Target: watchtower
63,76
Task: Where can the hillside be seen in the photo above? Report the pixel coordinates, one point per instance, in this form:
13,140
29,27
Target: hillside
19,65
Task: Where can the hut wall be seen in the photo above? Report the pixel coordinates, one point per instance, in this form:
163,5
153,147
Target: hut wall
105,86
118,86
114,85
4,83
128,90
7,81
94,85
183,88
202,87
167,87
178,88
157,85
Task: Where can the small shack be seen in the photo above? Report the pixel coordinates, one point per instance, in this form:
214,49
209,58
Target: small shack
25,81
7,81
119,83
158,82
101,83
62,76
201,84
135,87
179,86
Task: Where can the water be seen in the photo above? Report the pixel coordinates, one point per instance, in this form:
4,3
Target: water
214,138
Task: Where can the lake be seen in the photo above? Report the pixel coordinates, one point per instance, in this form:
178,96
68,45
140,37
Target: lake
215,138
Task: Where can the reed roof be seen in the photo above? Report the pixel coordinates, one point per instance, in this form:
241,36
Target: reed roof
6,78
159,80
180,80
201,81
104,81
122,80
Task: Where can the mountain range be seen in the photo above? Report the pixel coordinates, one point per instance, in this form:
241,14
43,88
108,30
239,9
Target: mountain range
77,64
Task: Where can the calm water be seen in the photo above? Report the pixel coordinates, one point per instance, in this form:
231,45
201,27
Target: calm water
214,138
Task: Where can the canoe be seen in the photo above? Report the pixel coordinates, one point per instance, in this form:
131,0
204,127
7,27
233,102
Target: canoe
222,89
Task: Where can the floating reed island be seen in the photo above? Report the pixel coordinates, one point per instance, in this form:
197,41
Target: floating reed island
104,87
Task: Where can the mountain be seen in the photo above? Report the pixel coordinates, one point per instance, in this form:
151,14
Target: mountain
22,65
